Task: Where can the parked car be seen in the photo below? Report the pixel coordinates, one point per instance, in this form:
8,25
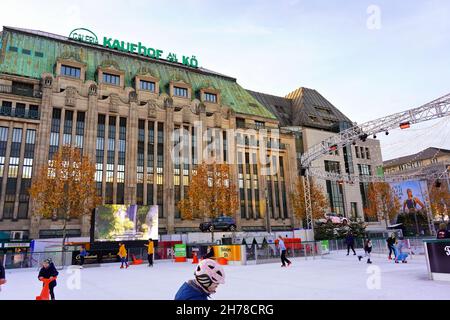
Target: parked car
220,223
334,218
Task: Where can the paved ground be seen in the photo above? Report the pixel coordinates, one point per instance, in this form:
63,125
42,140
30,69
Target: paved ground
335,276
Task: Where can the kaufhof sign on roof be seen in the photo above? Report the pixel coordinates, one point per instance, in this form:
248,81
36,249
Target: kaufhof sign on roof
87,36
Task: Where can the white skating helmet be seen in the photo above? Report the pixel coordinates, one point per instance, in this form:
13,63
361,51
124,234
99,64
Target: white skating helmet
208,271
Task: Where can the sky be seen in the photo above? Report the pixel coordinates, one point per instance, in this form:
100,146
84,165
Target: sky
368,58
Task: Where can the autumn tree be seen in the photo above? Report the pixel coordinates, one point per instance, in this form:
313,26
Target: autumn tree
318,200
439,199
382,202
65,187
211,193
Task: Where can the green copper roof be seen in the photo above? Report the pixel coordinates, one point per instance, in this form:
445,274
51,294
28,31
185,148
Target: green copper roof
35,52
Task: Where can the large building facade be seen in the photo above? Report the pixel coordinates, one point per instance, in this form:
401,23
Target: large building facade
312,119
130,113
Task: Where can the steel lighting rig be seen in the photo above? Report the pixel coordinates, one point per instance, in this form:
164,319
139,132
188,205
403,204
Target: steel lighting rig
432,110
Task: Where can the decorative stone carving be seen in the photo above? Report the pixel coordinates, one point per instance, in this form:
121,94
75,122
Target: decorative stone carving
201,108
71,93
109,64
48,82
147,71
92,90
168,102
152,108
132,96
218,119
114,100
68,55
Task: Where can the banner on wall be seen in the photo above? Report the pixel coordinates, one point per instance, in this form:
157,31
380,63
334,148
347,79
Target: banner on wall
122,222
413,195
231,253
180,250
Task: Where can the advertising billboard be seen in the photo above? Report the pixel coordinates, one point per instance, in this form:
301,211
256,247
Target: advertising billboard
118,222
413,195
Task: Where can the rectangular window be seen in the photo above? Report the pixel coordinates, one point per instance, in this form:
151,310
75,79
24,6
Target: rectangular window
29,143
70,71
357,151
33,112
180,92
147,85
111,79
38,54
68,122
20,110
240,123
16,142
26,51
10,198
6,109
367,153
211,97
13,49
79,131
3,140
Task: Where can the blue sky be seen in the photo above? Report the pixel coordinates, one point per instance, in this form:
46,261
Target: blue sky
278,46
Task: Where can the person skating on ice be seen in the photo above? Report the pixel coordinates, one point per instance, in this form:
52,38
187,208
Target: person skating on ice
443,232
390,243
150,252
122,255
209,253
48,271
367,250
350,241
399,254
83,254
207,277
282,248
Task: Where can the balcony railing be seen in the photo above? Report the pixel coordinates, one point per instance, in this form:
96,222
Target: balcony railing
26,92
19,113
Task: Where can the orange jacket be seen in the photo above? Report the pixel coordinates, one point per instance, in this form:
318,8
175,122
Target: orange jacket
122,251
151,247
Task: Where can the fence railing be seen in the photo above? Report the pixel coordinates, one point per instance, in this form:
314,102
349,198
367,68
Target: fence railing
254,254
379,245
270,253
27,92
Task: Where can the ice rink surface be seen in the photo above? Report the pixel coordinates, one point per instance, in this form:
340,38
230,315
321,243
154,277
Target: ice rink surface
336,276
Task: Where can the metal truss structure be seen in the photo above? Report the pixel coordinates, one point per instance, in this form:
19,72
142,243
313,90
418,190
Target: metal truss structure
435,109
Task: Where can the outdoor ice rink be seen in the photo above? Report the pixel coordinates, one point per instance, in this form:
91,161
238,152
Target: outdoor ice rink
336,276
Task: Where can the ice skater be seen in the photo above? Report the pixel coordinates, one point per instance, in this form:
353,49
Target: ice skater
443,233
399,254
48,271
122,255
150,252
367,250
208,275
390,243
83,254
350,241
282,248
209,253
